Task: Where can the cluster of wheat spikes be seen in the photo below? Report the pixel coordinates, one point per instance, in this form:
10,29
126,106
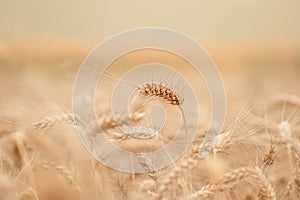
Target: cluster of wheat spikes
257,157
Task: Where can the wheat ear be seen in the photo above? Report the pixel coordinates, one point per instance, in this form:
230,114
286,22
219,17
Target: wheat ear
203,193
186,165
161,91
266,191
50,121
164,92
269,156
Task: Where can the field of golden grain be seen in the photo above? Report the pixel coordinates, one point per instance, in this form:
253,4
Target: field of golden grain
257,157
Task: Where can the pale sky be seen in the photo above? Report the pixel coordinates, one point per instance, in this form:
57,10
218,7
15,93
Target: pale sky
211,20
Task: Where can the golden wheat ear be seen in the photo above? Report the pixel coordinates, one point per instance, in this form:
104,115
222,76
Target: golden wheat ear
269,156
172,97
161,91
266,190
188,164
166,94
53,120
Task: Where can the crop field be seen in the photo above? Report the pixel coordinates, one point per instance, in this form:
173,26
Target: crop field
257,156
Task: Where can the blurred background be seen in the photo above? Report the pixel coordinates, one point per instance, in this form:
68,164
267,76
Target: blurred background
235,21
254,43
267,30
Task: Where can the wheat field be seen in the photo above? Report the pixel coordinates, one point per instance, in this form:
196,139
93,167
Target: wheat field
257,157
